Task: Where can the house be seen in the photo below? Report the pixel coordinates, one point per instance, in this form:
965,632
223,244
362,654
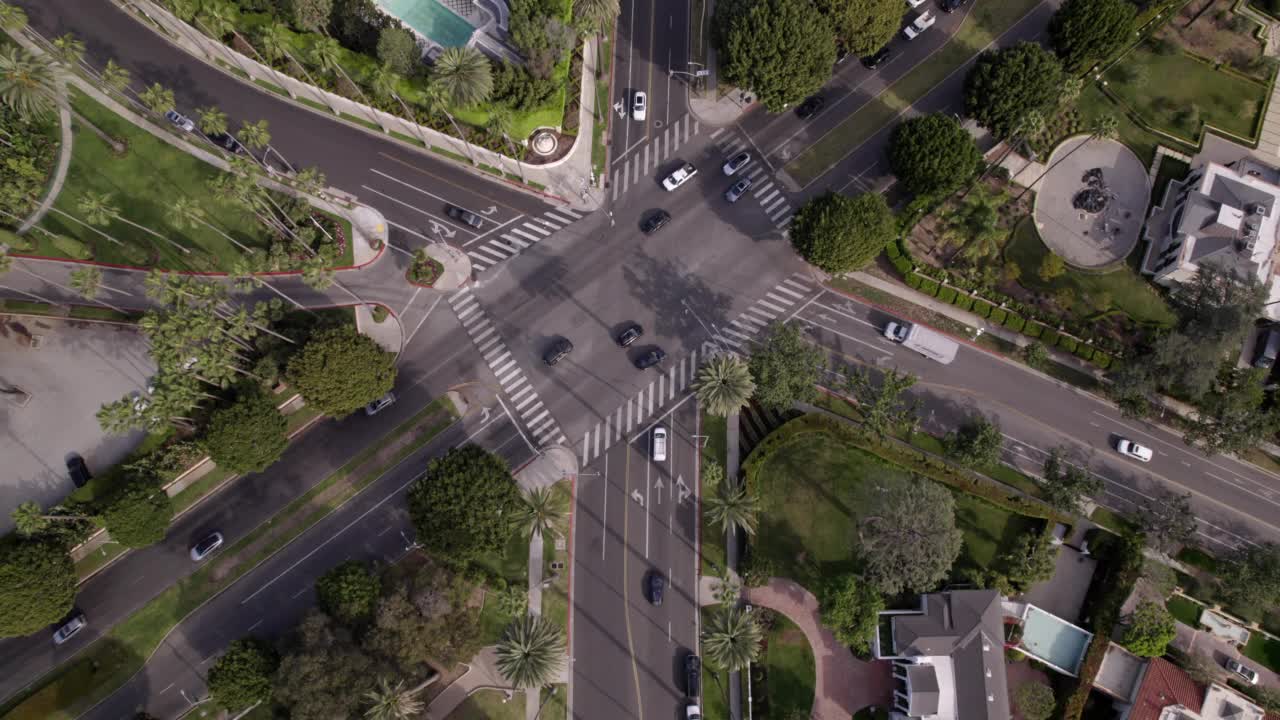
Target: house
1221,214
1161,690
948,657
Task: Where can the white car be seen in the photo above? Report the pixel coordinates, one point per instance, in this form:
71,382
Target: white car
205,547
639,106
1249,674
922,23
693,712
180,121
679,177
380,404
736,163
1129,448
659,444
916,3
69,629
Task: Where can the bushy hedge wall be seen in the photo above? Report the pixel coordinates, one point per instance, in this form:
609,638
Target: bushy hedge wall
1049,337
902,265
1014,322
1101,359
1067,343
964,302
1084,351
947,295
983,308
1033,329
914,281
998,315
929,286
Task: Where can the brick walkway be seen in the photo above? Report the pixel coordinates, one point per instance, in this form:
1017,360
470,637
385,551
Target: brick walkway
845,684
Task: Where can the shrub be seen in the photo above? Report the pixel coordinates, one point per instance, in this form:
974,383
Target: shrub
1050,337
1067,343
1102,360
1084,351
1032,329
892,250
902,265
964,302
983,308
998,315
914,280
947,295
929,286
1014,322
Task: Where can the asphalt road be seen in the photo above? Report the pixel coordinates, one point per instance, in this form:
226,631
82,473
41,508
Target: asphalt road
652,38
635,517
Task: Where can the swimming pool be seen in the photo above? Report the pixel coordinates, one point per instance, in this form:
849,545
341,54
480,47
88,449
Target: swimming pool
431,19
1053,640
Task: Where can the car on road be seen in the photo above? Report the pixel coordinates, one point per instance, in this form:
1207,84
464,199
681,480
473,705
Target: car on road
681,176
692,675
737,190
951,5
1244,671
180,121
656,584
923,22
464,216
69,629
693,712
810,107
380,404
639,106
1129,448
557,352
736,163
629,335
651,358
916,3
883,55
659,444
206,546
78,471
654,222
228,143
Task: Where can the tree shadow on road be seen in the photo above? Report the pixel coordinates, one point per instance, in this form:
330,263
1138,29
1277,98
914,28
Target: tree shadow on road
686,306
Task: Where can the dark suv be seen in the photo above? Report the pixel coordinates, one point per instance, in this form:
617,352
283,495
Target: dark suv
952,5
78,471
654,222
810,107
692,675
871,62
559,349
465,216
657,583
651,358
629,335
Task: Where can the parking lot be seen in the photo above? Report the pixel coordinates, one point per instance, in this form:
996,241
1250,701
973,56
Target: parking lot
54,375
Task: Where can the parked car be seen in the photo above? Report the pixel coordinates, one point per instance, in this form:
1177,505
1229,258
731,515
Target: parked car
639,106
659,444
654,222
1129,448
380,404
693,712
656,584
205,547
651,358
1267,348
464,216
810,107
629,335
923,22
737,190
883,55
228,143
180,121
69,629
736,163
78,471
681,176
1247,673
559,349
692,675
951,5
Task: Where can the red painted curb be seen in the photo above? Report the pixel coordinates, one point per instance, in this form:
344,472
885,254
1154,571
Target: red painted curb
568,631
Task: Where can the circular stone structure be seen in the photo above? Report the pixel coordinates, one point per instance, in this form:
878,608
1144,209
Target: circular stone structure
1089,208
544,142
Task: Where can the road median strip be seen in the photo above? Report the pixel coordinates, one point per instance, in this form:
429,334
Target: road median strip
104,666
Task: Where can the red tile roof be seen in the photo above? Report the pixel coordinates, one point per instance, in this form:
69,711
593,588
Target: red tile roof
1165,684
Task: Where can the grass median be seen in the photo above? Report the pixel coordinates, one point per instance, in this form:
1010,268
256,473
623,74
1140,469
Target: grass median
69,690
986,22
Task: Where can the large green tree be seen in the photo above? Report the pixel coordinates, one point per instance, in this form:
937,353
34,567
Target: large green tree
1250,577
976,443
1034,701
1006,85
786,367
1028,560
782,50
466,504
398,50
339,371
1066,485
838,233
882,404
1166,518
1236,414
531,652
863,26
1150,630
1086,31
37,584
349,592
932,154
323,673
138,514
243,675
310,15
908,538
247,435
851,610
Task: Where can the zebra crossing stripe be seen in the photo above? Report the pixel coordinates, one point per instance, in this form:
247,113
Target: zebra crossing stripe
716,133
768,197
493,254
487,346
778,298
519,381
782,199
785,221
527,236
498,370
533,420
550,215
535,228
509,248
482,335
521,394
782,288
504,380
781,211
771,306
526,401
515,241
798,285
479,260
745,338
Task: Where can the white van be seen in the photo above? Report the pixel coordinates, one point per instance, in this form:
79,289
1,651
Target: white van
659,444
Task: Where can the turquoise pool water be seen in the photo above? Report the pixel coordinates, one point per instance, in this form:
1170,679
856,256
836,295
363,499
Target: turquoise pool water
1053,640
431,19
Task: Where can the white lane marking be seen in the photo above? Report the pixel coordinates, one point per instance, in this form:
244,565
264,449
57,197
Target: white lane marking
491,230
848,337
418,210
417,327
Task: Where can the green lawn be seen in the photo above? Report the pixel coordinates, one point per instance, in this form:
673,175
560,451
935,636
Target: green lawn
812,491
490,705
1093,103
1128,291
985,23
1197,558
1201,94
1184,611
1264,650
789,672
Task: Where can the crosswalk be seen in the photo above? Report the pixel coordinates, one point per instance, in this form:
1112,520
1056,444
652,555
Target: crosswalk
776,306
510,240
640,162
769,193
523,400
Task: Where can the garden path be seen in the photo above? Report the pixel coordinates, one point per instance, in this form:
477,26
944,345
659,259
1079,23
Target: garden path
59,172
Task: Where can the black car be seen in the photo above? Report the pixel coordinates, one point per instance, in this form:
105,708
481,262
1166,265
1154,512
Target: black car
692,675
464,216
651,358
654,222
228,143
657,583
78,471
841,53
810,107
871,62
558,350
951,5
629,335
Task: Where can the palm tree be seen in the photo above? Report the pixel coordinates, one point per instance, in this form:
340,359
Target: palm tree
87,281
12,18
594,15
157,98
531,652
1105,127
464,75
98,210
542,510
437,101
324,54
186,214
310,179
115,77
245,279
724,385
732,507
212,120
975,224
69,49
392,702
216,19
500,123
30,519
28,83
731,639
385,84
